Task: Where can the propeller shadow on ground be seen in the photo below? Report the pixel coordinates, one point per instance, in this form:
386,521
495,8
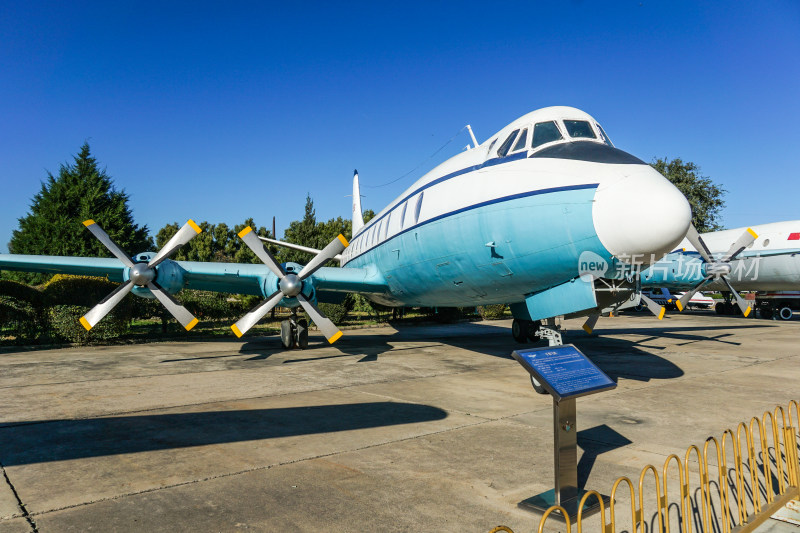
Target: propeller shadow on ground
60,440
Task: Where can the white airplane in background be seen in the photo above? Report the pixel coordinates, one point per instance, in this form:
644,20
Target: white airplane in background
762,258
541,216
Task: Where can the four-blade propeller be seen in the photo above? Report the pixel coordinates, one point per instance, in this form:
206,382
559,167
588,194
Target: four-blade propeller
290,285
718,268
142,275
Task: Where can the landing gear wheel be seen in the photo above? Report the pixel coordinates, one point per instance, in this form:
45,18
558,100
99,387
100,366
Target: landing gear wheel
720,308
538,386
519,330
533,327
287,334
302,334
785,313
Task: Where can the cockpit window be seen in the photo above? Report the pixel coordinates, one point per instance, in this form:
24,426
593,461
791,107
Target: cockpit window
545,132
605,137
579,129
503,150
521,140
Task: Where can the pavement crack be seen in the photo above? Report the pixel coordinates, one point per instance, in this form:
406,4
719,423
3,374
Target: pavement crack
25,514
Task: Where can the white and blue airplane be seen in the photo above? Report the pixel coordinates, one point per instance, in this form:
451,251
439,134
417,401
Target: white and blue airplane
541,216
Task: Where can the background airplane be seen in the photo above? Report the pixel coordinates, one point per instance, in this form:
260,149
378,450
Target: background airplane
761,258
537,216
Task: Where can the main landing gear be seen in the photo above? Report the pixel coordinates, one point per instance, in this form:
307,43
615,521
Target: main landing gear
294,332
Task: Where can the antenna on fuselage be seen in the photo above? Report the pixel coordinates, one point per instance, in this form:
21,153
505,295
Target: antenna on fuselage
474,140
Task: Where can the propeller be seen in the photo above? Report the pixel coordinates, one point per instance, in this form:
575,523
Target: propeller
718,268
290,285
657,310
142,275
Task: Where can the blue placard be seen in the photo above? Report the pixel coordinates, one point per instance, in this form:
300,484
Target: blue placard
564,371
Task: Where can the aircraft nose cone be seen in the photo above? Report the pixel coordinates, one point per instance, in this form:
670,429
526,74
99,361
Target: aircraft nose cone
641,216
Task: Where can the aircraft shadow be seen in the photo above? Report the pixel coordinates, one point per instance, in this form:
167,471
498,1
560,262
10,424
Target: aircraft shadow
59,440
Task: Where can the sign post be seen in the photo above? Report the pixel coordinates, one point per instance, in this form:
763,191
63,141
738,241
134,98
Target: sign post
566,374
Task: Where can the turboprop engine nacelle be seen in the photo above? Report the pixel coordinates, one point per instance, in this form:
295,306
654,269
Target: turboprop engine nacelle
169,276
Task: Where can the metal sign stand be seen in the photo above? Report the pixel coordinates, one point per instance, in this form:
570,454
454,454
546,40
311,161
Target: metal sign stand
549,366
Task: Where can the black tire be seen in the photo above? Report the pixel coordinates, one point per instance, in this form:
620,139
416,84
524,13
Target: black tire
302,334
533,327
287,335
519,330
720,308
767,312
785,313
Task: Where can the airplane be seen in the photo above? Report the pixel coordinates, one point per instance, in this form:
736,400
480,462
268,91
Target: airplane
759,258
541,216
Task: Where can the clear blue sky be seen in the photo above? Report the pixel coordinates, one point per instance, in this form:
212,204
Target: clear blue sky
221,111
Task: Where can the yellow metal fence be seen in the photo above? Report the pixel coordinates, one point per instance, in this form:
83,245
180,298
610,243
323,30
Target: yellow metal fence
731,485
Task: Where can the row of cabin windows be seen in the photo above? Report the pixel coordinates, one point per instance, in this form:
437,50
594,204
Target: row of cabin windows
546,132
380,231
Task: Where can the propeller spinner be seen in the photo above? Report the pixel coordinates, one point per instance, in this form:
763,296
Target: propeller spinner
142,275
290,285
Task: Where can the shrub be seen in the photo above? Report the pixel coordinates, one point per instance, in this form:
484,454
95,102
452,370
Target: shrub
84,291
335,312
492,312
20,319
65,322
207,305
22,292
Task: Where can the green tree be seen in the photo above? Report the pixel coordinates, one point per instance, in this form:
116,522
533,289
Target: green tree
309,232
704,195
54,226
217,242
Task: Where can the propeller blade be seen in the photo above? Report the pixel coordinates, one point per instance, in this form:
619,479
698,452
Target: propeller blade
588,326
254,243
106,305
327,327
189,231
334,248
103,237
699,244
683,302
180,313
743,305
257,313
746,239
654,308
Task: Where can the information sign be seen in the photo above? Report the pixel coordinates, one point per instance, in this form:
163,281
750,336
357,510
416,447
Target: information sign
564,371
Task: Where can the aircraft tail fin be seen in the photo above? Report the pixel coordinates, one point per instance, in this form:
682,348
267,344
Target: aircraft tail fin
358,218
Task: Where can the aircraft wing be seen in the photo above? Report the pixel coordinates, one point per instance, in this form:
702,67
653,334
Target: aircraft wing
233,278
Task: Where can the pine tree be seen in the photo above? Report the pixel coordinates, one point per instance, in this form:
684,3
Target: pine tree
81,191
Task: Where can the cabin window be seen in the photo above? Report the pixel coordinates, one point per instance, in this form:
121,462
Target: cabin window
506,146
388,223
522,140
545,132
403,215
418,207
579,129
603,134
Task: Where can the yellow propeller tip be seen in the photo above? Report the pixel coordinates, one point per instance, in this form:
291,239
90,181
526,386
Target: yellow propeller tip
747,311
679,305
191,324
85,323
194,225
245,231
343,240
587,329
753,233
661,314
335,337
88,223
